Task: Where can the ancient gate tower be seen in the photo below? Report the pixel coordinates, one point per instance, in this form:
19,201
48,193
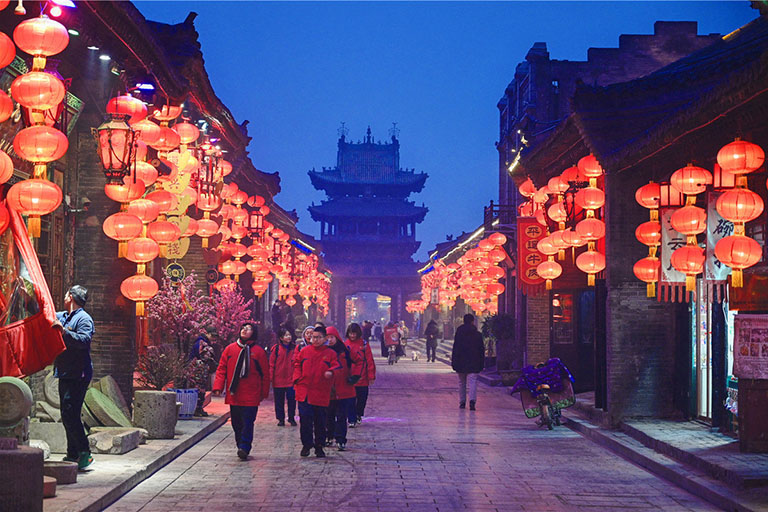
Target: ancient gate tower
368,226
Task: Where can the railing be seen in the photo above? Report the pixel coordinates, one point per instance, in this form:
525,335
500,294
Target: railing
505,214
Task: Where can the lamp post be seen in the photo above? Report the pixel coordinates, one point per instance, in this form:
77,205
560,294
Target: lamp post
116,140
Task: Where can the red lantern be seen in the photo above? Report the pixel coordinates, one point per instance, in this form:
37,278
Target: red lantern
37,90
557,212
485,245
6,105
144,209
7,50
572,238
139,288
590,167
739,205
208,202
127,107
167,113
649,233
526,209
591,262
498,239
497,255
225,284
34,197
6,167
738,252
141,251
122,226
167,141
188,133
689,260
164,233
691,180
191,229
5,218
206,228
591,229
165,200
527,188
740,157
264,210
144,172
124,192
495,289
40,145
41,37
590,198
225,168
549,270
239,197
147,131
546,246
689,220
256,201
557,185
648,270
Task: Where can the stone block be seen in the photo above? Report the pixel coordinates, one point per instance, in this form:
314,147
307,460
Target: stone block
39,443
87,418
49,487
48,411
142,432
109,387
8,443
52,433
105,410
21,474
20,431
51,390
114,443
15,401
156,412
64,472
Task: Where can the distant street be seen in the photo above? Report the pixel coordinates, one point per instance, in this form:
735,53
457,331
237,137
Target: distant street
415,451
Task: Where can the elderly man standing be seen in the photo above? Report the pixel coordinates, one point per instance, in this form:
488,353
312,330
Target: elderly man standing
74,369
467,360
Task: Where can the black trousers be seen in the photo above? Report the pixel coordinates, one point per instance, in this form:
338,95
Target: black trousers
281,394
360,401
431,348
312,429
71,397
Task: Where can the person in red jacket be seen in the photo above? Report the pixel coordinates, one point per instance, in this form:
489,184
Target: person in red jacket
342,391
312,375
243,374
361,351
281,370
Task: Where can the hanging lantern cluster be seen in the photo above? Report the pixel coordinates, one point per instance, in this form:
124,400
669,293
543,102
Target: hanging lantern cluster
590,229
739,205
474,277
40,95
648,233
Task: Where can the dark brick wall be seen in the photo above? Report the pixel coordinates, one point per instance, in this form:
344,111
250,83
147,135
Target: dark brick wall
538,328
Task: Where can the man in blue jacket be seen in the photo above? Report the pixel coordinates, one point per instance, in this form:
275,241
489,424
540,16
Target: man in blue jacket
74,369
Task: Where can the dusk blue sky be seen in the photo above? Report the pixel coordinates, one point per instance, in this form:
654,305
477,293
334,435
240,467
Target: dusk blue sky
296,70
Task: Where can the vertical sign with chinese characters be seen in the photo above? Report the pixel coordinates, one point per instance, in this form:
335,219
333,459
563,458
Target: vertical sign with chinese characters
529,232
750,346
671,240
717,229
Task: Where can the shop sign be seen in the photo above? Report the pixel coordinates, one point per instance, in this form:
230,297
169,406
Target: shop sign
529,232
750,346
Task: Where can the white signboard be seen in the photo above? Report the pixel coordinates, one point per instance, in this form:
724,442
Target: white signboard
750,346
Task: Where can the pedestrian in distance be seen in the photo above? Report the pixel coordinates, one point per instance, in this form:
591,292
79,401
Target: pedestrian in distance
343,392
360,351
74,369
312,374
431,333
281,369
243,374
467,360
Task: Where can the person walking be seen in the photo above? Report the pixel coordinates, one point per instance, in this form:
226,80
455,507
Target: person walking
360,351
378,334
281,370
343,392
467,360
74,369
431,333
243,374
314,368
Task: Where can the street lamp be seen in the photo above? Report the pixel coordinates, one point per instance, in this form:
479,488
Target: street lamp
116,140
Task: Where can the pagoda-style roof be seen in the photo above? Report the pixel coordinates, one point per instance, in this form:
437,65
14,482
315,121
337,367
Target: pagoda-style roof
398,183
366,207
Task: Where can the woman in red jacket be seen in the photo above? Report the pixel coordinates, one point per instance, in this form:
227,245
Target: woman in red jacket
243,373
312,374
342,391
281,370
361,351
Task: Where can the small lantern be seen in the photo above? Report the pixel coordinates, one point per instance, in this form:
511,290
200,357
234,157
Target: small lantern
591,262
648,270
139,288
689,260
122,227
738,252
40,37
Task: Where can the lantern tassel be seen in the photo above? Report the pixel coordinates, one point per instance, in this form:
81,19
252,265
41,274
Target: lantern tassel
205,242
140,308
590,279
737,278
690,282
549,284
650,289
561,255
33,226
121,249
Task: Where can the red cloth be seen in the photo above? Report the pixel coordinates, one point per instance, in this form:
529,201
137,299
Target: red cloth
254,387
31,344
281,366
341,388
361,351
309,375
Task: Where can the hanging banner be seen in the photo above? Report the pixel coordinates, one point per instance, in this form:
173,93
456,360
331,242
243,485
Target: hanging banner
529,232
715,273
750,346
672,282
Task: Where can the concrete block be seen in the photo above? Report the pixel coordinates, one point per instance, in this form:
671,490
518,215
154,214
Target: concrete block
39,443
52,433
156,412
50,411
144,435
51,390
109,387
114,443
64,472
105,410
21,474
86,416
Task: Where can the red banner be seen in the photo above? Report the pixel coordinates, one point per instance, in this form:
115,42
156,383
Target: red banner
529,232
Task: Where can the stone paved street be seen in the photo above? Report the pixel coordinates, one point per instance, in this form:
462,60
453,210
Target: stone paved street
416,451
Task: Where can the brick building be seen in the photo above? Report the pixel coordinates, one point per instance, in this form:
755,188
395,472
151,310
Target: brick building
113,49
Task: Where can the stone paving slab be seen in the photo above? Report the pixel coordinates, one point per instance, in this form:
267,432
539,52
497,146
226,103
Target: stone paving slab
416,450
112,476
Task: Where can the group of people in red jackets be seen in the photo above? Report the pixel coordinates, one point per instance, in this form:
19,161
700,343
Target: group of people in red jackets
328,377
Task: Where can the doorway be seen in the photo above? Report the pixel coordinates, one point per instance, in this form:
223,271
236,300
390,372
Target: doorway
369,306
